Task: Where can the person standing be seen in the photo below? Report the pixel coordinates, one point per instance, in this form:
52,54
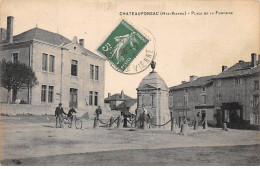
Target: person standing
98,112
70,115
144,116
126,114
58,114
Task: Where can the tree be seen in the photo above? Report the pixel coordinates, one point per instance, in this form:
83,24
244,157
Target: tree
16,75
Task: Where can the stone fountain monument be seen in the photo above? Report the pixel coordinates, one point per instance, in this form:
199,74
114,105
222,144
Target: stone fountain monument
153,93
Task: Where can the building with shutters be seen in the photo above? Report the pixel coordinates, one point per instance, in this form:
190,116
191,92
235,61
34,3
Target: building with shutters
231,96
67,72
192,98
236,93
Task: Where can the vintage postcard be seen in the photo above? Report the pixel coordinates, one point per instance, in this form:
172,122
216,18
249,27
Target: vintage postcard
129,83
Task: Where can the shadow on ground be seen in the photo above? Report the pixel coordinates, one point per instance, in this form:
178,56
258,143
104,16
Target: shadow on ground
243,155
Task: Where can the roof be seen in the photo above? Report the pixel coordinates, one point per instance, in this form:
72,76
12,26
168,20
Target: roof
153,80
49,37
117,97
128,103
42,35
239,69
201,81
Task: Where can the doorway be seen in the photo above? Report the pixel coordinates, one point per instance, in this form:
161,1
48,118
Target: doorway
203,115
232,114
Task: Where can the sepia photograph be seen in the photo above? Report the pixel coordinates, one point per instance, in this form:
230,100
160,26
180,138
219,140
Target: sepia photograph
129,83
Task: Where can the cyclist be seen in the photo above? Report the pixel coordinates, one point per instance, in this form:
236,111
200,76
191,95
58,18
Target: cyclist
58,114
70,115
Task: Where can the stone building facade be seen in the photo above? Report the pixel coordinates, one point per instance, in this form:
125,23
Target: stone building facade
231,96
236,93
67,72
194,97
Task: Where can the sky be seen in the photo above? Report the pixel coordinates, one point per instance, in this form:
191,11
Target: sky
185,45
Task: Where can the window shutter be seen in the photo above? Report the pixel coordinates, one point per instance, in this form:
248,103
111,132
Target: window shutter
234,81
251,101
251,118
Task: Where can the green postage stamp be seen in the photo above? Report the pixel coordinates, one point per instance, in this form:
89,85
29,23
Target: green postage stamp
123,45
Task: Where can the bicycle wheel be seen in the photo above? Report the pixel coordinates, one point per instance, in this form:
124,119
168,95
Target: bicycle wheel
65,122
78,124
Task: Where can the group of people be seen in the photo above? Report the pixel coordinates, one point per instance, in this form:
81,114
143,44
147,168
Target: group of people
59,112
59,115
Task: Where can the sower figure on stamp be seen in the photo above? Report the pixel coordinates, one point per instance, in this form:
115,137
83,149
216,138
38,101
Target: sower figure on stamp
70,115
58,114
98,112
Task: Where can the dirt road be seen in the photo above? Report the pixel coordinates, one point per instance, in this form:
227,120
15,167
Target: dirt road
23,138
247,155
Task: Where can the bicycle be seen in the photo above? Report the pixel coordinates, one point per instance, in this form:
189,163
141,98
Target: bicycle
66,121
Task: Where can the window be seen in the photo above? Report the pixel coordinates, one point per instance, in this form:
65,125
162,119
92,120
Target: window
254,118
203,99
203,89
219,97
96,99
237,81
50,94
91,71
73,97
237,95
96,72
43,93
90,97
74,68
44,62
185,100
256,84
51,63
255,101
153,100
186,91
15,57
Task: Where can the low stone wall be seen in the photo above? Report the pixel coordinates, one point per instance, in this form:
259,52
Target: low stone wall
14,109
26,109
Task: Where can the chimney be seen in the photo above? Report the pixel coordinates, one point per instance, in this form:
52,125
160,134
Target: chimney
122,94
253,59
224,68
10,26
82,42
240,61
75,39
109,95
193,77
182,82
